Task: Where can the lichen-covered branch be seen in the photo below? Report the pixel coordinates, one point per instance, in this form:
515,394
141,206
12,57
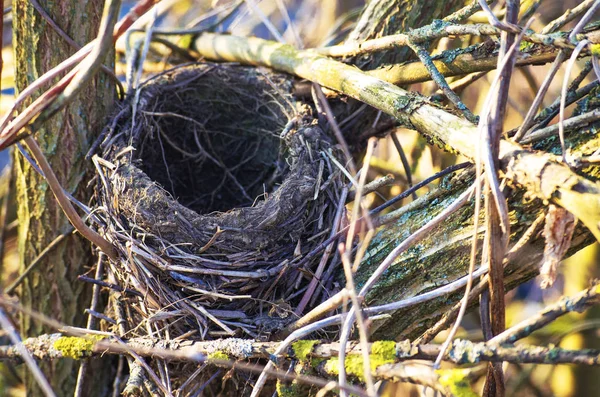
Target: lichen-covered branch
566,304
477,58
58,346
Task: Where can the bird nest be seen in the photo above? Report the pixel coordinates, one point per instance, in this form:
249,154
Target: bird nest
215,183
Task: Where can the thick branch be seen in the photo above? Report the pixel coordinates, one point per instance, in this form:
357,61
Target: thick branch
479,58
543,178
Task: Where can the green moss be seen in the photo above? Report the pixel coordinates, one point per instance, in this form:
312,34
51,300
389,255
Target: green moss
218,355
76,347
303,348
456,381
186,41
332,365
315,362
382,352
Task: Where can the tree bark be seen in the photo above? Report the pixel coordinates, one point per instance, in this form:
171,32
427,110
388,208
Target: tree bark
53,289
443,256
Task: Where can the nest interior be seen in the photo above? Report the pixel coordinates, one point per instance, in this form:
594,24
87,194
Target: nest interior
213,148
216,184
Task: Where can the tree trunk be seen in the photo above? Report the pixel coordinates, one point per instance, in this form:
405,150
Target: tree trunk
53,288
443,256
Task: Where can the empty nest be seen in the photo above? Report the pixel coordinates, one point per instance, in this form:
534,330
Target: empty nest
215,184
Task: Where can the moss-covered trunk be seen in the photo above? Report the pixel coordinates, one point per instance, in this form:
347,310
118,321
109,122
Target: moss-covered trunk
53,288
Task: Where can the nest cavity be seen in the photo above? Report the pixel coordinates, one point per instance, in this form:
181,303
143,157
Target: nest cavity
216,184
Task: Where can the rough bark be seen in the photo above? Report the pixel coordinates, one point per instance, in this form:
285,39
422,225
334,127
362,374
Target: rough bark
444,257
53,289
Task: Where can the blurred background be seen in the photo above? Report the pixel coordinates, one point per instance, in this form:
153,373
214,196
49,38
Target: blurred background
315,23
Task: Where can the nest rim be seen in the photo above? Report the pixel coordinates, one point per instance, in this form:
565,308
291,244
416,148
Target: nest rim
207,274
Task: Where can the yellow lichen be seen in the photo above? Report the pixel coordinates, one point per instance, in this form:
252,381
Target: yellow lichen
303,348
216,358
218,355
382,352
456,380
524,46
595,49
76,347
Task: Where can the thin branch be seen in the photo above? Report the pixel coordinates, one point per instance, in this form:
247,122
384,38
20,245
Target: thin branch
91,324
335,127
73,43
539,97
373,186
37,260
571,124
577,303
506,26
9,128
568,16
435,31
23,352
65,204
417,373
321,267
265,20
404,161
563,96
362,329
441,82
584,20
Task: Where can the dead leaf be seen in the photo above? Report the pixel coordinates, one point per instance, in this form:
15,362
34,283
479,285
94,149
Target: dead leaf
558,231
